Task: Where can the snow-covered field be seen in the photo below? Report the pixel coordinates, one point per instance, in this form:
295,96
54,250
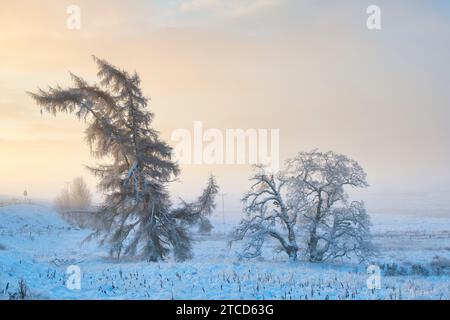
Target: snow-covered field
36,246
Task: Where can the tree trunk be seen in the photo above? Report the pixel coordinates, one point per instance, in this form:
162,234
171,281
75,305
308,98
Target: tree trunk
293,248
292,253
313,240
312,246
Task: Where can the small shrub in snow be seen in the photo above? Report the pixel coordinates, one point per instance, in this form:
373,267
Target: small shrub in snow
394,269
440,266
22,293
418,269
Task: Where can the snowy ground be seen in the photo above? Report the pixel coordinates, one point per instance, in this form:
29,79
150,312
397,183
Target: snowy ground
37,246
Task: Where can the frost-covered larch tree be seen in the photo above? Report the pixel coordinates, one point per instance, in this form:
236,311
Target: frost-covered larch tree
206,204
199,211
136,213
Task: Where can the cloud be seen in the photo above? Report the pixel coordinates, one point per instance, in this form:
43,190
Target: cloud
229,8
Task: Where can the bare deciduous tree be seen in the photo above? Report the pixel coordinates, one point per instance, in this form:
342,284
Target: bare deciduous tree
74,201
268,215
63,202
335,226
81,196
308,201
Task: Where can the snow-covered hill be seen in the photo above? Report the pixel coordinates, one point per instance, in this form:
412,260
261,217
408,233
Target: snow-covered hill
36,246
34,241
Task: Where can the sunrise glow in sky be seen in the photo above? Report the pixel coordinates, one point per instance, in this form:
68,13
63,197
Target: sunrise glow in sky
311,69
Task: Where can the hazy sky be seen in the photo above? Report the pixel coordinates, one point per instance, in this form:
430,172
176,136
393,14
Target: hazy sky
309,68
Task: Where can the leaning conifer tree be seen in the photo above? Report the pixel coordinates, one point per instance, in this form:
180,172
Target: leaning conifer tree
136,213
199,211
206,204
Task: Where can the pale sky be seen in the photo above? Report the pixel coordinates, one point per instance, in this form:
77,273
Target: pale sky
308,68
